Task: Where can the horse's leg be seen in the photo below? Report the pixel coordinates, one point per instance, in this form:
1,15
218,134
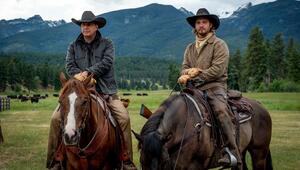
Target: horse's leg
261,137
244,160
259,158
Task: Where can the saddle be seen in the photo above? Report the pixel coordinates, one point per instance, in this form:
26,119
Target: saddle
239,105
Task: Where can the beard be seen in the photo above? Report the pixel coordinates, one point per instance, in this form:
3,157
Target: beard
201,32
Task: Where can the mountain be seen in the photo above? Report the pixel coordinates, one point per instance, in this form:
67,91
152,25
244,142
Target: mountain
12,27
162,31
273,17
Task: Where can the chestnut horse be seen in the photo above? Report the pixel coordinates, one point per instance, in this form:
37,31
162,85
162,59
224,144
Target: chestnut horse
90,141
176,137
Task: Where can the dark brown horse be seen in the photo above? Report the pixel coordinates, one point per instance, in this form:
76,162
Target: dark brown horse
90,141
176,137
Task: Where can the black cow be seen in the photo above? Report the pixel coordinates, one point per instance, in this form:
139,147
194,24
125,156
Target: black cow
55,95
34,99
12,96
24,99
37,95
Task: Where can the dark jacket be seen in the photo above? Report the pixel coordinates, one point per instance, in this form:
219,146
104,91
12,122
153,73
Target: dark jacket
96,57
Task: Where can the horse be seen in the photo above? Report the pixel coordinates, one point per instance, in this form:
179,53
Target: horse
89,139
176,137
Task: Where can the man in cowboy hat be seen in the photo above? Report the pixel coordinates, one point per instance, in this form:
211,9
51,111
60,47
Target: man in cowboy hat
205,64
90,53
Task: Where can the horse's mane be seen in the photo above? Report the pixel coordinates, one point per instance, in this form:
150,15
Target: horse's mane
153,122
73,84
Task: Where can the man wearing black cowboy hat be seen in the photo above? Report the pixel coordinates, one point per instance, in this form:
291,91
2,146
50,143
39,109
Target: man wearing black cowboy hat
205,63
91,53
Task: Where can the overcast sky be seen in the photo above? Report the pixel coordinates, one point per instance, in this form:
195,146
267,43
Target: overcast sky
67,9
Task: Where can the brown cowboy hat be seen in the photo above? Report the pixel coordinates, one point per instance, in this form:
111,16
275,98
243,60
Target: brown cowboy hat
203,13
88,16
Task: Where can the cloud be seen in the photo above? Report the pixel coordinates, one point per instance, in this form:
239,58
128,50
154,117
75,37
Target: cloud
67,9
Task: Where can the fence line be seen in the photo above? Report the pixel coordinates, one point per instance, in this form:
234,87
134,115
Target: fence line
4,103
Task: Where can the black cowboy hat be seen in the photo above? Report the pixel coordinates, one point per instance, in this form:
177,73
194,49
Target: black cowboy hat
88,16
203,13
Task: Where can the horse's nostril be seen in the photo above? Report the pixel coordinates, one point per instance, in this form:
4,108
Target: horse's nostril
66,137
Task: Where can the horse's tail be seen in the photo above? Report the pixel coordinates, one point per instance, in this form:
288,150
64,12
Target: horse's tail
269,165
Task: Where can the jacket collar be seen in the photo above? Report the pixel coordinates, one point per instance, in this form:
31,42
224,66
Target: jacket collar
212,38
81,40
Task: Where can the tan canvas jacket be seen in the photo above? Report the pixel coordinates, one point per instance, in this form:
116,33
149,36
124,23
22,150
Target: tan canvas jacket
212,58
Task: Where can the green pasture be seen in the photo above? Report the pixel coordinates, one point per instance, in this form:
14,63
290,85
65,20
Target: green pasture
25,128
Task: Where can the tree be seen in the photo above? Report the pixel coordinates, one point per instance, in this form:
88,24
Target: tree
255,62
234,69
174,73
28,77
3,77
277,58
293,61
269,77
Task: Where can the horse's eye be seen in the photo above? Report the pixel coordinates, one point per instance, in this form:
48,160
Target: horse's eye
84,102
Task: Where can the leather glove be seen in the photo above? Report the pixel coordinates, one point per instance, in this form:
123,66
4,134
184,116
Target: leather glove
185,71
183,79
79,77
193,72
82,77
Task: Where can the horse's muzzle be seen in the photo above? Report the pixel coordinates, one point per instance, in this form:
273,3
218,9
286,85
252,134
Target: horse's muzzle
70,140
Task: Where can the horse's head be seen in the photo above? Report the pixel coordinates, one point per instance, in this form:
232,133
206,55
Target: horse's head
162,133
74,102
150,147
151,143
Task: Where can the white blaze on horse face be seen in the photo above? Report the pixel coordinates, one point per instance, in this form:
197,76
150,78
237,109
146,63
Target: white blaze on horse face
71,123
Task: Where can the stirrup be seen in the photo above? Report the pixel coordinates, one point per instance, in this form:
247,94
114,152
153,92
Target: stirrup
233,160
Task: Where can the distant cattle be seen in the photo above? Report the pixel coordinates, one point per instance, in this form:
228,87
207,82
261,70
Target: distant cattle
24,99
36,95
139,94
20,96
12,96
55,95
127,94
46,95
34,99
145,94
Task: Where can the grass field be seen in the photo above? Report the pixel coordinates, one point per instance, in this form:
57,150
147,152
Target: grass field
25,128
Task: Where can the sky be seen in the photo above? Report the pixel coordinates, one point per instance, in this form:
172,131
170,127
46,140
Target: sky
67,9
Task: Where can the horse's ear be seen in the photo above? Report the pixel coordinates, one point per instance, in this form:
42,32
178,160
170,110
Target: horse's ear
63,79
137,136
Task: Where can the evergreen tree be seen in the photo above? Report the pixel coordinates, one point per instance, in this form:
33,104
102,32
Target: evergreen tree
255,61
234,70
269,75
3,76
174,73
293,61
277,58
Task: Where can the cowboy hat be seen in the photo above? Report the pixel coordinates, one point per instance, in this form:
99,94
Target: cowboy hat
203,13
88,16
